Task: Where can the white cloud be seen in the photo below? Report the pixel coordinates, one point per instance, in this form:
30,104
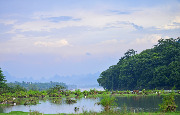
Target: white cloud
86,19
35,26
102,29
144,17
113,41
174,24
150,39
20,43
58,43
8,21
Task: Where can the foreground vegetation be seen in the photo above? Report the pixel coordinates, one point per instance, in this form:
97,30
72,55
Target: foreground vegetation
21,96
91,113
108,102
158,67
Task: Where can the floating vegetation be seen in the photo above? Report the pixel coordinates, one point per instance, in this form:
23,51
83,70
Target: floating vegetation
56,100
70,101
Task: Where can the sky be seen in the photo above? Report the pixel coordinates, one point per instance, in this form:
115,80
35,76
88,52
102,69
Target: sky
42,38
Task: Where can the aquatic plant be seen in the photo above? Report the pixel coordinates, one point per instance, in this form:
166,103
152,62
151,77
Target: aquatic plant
77,92
43,94
76,109
124,109
56,100
85,93
70,101
128,91
93,91
67,93
107,102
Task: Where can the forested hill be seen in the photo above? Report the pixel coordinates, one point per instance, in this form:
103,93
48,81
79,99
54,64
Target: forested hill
158,68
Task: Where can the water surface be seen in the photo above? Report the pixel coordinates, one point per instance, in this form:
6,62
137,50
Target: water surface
133,104
48,107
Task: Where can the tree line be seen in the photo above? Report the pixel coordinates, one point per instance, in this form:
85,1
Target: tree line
158,67
26,86
36,86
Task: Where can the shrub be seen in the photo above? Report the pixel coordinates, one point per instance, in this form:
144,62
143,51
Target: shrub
85,93
78,92
107,102
168,104
70,101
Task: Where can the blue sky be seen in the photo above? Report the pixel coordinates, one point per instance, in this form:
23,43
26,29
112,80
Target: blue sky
41,38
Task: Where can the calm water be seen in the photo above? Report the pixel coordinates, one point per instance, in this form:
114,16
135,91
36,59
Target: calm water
134,104
143,103
48,107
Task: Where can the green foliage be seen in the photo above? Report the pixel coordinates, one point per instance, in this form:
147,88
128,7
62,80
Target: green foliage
56,100
67,93
168,104
85,93
78,92
124,109
70,101
3,85
56,90
16,88
35,113
158,68
128,91
38,86
93,91
107,102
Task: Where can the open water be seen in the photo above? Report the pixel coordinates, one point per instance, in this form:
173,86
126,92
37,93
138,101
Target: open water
132,103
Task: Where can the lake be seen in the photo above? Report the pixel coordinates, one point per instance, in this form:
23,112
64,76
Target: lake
133,104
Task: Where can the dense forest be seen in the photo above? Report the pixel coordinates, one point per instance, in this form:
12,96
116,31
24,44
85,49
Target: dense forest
158,67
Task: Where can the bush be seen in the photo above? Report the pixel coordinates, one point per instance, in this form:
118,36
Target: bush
168,104
70,101
107,102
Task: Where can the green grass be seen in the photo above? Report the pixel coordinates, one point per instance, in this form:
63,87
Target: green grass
15,113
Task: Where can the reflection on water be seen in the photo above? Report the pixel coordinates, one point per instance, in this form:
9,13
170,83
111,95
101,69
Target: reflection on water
48,107
133,104
140,104
143,103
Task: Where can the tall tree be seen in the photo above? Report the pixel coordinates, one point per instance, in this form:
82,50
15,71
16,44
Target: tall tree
2,82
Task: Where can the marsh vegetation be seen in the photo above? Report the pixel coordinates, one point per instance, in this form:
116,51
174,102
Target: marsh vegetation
78,101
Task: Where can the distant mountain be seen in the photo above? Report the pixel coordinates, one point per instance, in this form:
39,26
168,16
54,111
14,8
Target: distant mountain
80,80
11,78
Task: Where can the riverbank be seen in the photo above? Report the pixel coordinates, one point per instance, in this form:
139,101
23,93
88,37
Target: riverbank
33,97
67,101
92,113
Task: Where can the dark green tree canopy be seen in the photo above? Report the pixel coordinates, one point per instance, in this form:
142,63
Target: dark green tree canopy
2,82
158,67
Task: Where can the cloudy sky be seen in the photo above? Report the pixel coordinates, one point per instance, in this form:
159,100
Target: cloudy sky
41,38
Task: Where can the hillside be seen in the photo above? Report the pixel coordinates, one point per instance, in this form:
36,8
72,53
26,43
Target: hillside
158,68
